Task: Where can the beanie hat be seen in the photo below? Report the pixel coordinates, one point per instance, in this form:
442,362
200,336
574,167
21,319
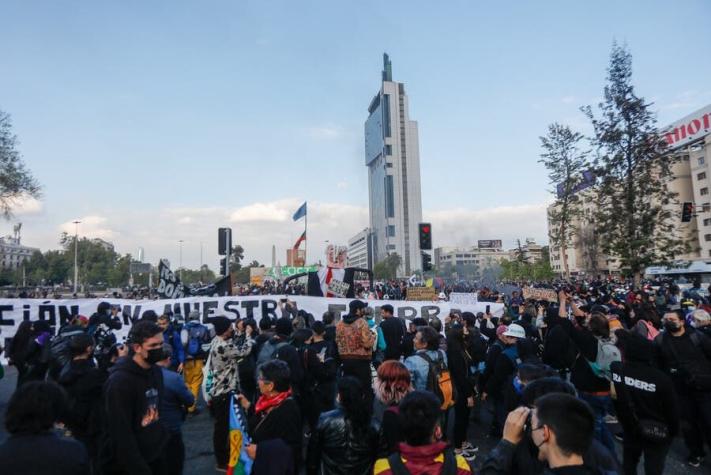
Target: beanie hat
500,330
222,324
634,346
103,307
193,315
284,327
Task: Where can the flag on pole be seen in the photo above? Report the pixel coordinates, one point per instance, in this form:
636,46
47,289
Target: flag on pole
301,212
300,240
239,463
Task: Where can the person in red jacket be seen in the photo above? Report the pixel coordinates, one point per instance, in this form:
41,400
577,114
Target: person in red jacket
422,452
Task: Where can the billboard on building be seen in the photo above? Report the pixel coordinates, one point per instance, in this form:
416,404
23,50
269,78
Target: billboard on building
489,244
690,128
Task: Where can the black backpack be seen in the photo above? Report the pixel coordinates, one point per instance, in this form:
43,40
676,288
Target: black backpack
59,353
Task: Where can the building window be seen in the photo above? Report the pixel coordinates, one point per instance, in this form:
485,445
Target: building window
701,176
701,160
388,165
390,231
390,247
707,237
386,115
707,221
704,191
388,149
389,196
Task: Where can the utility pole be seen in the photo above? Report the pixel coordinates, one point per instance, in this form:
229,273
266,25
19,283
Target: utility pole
76,251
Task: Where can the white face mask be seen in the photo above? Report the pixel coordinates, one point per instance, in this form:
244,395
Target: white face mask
691,309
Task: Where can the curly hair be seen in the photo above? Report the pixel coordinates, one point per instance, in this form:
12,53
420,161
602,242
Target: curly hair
393,382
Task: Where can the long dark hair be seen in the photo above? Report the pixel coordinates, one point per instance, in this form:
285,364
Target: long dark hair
20,342
455,339
355,403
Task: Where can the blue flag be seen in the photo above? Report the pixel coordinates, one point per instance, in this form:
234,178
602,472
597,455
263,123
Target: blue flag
301,212
239,463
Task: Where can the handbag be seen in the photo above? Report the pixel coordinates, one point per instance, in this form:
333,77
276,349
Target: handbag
650,430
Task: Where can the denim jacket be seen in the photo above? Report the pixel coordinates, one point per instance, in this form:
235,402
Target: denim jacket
419,368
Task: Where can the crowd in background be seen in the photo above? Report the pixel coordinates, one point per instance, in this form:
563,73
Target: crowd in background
590,381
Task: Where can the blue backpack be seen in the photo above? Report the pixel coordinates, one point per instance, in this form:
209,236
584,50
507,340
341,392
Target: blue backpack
198,340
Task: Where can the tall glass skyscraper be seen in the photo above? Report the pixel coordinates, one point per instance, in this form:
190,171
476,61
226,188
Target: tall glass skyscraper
392,155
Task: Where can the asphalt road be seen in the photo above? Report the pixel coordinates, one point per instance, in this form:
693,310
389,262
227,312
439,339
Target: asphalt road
197,434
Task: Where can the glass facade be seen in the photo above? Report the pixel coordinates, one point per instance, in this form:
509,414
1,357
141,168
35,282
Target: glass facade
389,196
374,143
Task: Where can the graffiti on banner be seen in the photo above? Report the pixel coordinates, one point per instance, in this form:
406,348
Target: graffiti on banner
58,312
540,294
169,285
465,298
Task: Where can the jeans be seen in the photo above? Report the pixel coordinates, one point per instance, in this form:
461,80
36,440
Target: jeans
600,406
655,455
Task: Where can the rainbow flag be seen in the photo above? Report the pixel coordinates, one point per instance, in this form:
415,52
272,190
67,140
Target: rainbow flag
239,463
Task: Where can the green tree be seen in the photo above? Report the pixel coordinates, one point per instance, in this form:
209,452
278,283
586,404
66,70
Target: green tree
387,268
16,181
636,213
566,163
237,256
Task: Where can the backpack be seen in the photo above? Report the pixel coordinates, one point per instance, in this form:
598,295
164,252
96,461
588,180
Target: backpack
269,351
198,339
439,381
607,353
59,353
449,465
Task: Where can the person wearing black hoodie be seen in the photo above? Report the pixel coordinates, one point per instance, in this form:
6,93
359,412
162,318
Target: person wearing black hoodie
643,393
83,382
135,438
393,331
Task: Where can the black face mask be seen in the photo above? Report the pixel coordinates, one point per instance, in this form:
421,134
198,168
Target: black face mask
154,355
671,326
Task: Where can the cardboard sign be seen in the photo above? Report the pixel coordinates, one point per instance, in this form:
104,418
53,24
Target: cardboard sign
540,294
463,298
338,288
423,294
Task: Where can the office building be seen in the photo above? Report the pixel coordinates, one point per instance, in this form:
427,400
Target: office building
360,250
393,160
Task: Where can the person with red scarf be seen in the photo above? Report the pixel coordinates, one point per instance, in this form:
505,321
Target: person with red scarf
275,416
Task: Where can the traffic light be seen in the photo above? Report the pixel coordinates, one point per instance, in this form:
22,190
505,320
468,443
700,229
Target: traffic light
425,236
223,266
687,210
426,262
224,241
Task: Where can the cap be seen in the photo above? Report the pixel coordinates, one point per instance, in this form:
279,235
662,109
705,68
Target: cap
500,330
515,331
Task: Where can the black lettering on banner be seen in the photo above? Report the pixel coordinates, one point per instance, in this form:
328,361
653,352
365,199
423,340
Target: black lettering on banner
26,312
187,309
207,308
408,313
430,312
128,318
249,306
3,320
67,313
168,309
232,306
47,310
269,308
337,310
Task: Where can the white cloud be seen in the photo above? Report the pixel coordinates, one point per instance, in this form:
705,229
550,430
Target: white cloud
91,227
326,132
342,185
568,99
25,205
258,226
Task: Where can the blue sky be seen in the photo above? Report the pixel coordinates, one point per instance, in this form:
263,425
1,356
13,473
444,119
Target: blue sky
159,121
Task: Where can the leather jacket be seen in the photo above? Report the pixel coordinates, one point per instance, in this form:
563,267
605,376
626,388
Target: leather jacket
338,448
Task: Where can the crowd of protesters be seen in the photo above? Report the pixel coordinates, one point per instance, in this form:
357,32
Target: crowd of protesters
591,381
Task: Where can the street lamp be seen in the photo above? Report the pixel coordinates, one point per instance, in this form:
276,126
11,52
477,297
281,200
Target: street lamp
76,249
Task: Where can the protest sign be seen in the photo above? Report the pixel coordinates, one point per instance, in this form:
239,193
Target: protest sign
338,288
59,312
421,293
540,294
169,285
465,298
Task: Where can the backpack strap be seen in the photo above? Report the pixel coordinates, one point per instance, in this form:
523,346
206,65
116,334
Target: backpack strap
450,462
396,465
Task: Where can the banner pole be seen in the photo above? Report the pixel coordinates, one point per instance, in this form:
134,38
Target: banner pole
306,238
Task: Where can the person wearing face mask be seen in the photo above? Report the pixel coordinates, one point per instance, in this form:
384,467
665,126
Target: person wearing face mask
135,437
686,355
